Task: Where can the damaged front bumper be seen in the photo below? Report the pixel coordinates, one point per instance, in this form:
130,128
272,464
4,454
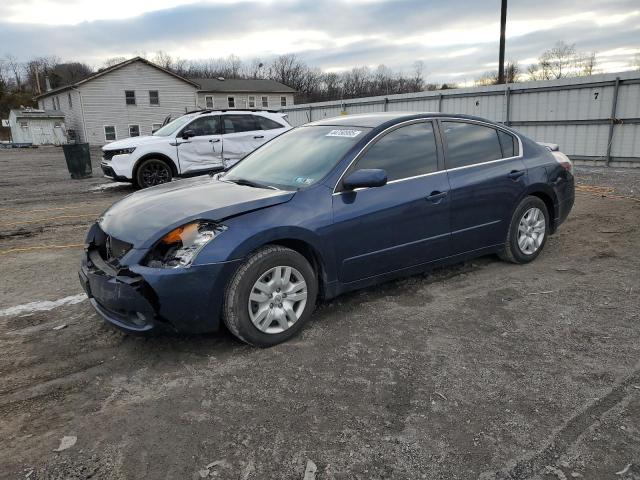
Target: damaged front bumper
140,299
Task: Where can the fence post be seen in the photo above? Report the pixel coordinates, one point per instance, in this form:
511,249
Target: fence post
310,110
612,120
440,103
507,120
386,104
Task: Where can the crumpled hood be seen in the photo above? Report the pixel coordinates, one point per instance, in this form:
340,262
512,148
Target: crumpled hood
144,217
133,142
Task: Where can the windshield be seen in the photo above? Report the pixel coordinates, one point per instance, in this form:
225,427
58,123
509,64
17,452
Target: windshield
172,127
298,158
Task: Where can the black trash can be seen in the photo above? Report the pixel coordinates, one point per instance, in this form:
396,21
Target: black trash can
78,159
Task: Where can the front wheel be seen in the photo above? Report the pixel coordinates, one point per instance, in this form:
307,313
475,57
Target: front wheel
153,172
270,297
528,231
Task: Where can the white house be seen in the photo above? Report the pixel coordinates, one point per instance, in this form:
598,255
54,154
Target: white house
229,93
134,97
38,127
129,99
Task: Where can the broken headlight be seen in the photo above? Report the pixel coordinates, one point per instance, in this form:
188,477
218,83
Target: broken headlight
179,247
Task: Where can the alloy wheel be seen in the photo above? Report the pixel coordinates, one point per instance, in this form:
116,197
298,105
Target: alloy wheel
531,231
155,173
277,299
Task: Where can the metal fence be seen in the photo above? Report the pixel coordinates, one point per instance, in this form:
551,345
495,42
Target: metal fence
594,119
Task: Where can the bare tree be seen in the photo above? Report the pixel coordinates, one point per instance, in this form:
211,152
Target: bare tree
110,62
559,60
588,64
512,71
163,59
15,68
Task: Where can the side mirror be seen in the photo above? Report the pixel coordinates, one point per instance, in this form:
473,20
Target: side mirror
366,177
188,134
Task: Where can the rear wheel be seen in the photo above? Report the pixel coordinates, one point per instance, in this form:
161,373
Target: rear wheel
153,172
270,297
527,232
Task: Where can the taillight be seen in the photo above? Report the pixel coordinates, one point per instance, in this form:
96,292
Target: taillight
568,166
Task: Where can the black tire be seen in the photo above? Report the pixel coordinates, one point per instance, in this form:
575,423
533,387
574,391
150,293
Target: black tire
151,172
236,304
512,251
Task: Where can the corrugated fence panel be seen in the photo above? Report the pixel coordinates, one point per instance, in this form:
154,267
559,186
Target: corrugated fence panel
626,141
574,113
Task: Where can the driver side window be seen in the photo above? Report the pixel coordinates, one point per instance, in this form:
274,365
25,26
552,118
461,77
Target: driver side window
204,126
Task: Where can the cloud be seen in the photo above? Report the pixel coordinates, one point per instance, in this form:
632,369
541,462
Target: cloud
453,38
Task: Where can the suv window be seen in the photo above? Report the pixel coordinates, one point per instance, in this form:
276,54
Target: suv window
508,144
405,152
239,123
468,144
265,123
204,126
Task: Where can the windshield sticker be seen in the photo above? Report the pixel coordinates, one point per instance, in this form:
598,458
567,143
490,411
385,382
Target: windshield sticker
344,133
303,180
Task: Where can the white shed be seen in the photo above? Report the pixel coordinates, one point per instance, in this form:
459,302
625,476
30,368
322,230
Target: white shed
37,127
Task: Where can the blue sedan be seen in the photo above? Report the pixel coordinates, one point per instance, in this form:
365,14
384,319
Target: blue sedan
323,209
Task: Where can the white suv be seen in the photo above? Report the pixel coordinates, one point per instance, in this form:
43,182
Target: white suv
199,141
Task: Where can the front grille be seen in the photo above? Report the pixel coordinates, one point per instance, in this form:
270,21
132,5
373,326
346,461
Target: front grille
111,249
108,154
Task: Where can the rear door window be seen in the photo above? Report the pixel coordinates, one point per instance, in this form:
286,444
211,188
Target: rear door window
266,123
508,144
239,123
469,144
405,152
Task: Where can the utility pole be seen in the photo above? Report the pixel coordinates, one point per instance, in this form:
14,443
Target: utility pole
503,27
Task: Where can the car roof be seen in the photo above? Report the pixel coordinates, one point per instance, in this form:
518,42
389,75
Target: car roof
246,111
373,120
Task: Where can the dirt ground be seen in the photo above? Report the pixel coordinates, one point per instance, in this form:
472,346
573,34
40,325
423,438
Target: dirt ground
485,370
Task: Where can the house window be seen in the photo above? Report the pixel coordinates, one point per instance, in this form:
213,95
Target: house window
208,101
109,133
57,103
155,126
130,97
154,97
134,130
69,99
283,101
252,102
57,125
231,101
24,124
265,102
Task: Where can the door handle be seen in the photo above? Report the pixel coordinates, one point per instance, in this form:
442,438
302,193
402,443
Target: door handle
258,136
436,196
214,141
516,174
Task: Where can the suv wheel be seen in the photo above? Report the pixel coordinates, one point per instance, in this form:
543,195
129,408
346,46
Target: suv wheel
528,231
270,297
153,172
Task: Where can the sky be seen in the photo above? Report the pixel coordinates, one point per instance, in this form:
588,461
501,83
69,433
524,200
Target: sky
456,40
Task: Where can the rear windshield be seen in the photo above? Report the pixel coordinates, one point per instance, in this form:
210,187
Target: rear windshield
297,158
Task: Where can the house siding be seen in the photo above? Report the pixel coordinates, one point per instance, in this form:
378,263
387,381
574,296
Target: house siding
242,100
103,100
72,115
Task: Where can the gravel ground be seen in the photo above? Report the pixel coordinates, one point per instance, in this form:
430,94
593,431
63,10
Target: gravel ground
483,370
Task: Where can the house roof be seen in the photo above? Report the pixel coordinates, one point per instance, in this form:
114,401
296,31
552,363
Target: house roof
256,85
33,113
111,69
